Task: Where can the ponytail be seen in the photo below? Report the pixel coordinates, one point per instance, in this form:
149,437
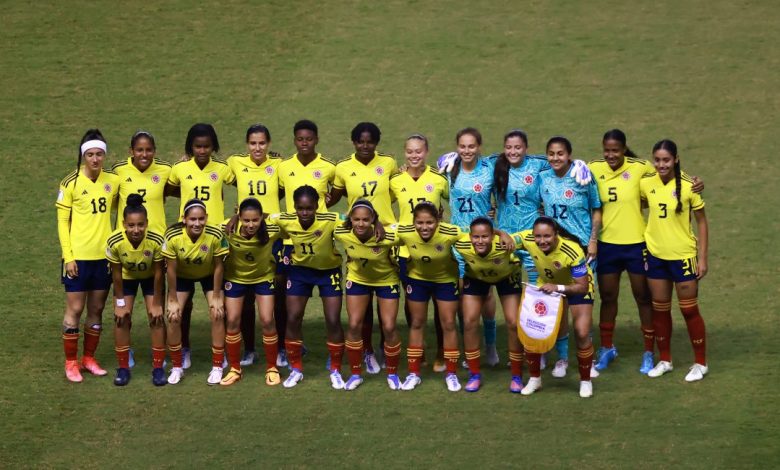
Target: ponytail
455,170
251,203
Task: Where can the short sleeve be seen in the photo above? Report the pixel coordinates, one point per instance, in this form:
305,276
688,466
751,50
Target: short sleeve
696,201
112,255
338,179
157,253
228,177
173,178
169,248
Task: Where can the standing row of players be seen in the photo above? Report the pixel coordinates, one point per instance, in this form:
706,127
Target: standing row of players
515,183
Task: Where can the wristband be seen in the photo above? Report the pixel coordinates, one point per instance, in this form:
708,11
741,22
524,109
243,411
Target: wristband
120,302
561,288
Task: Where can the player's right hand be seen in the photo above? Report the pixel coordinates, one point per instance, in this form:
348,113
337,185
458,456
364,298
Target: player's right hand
71,270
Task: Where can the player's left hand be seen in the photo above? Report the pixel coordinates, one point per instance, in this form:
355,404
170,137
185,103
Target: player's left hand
156,316
580,172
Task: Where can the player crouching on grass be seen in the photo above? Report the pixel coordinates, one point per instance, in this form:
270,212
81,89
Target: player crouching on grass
135,256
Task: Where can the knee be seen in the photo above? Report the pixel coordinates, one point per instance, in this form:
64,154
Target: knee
608,296
233,324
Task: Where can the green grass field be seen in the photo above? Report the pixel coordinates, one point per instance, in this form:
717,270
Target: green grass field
703,73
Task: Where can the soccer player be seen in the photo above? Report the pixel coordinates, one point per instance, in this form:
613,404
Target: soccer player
562,268
577,209
370,269
135,255
314,262
431,272
250,270
195,251
675,257
489,263
85,201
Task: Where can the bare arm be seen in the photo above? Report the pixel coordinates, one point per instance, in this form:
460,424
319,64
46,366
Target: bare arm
703,241
595,220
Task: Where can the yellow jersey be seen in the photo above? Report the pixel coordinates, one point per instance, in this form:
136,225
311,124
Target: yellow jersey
431,186
150,184
313,247
319,173
194,259
371,263
669,235
496,265
565,262
84,215
258,181
205,184
369,181
432,260
137,262
250,262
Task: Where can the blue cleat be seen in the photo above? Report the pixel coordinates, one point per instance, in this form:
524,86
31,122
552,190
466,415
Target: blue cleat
606,355
647,362
393,382
158,377
353,382
474,383
122,377
516,384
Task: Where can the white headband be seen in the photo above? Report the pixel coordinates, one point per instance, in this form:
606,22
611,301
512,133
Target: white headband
93,144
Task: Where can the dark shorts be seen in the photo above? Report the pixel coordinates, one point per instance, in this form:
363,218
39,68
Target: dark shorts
130,286
402,270
188,285
507,286
422,291
678,270
282,252
302,280
93,275
614,258
383,292
584,299
237,290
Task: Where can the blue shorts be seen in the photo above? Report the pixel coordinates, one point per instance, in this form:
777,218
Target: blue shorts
422,291
188,285
383,292
237,290
507,286
281,251
613,258
130,286
301,281
402,270
584,299
93,275
679,270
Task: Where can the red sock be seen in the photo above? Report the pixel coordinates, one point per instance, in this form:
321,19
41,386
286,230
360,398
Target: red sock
233,348
392,356
413,356
472,359
355,355
217,356
534,364
662,323
696,332
123,356
70,343
271,348
158,356
585,361
91,340
649,335
451,357
607,329
294,349
336,354
176,358
516,363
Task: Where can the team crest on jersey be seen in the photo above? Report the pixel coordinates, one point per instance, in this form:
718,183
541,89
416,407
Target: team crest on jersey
213,176
568,194
317,174
379,170
376,250
147,254
228,285
107,187
155,179
204,248
318,233
428,188
269,170
557,265
626,175
497,261
409,289
349,284
540,308
439,248
528,179
478,187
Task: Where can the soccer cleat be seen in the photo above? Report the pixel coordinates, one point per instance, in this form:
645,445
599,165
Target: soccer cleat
647,362
122,377
372,365
72,371
186,358
281,359
439,365
90,364
465,364
353,382
175,376
336,380
474,382
215,376
605,356
233,376
491,355
249,358
293,379
586,389
131,360
593,372
272,377
453,384
559,371
412,381
225,362
393,382
660,369
158,377
516,384
696,372
534,384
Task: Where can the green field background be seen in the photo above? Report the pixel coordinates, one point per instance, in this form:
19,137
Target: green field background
703,73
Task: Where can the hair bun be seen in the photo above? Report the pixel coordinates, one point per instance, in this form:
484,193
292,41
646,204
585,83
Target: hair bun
135,200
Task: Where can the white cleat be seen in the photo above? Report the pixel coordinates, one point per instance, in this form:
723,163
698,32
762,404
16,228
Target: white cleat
186,361
696,373
372,365
293,379
491,355
352,383
660,369
586,389
336,380
412,381
215,376
534,384
249,358
453,384
175,376
281,358
593,372
559,371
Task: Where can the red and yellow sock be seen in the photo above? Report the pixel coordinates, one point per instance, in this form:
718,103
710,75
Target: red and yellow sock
176,356
392,356
123,356
91,339
649,336
607,330
696,331
516,363
472,359
534,361
158,357
294,349
271,348
233,348
217,355
662,324
70,343
413,356
585,361
336,351
451,357
355,355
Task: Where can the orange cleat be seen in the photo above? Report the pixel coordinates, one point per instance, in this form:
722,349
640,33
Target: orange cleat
72,371
90,364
